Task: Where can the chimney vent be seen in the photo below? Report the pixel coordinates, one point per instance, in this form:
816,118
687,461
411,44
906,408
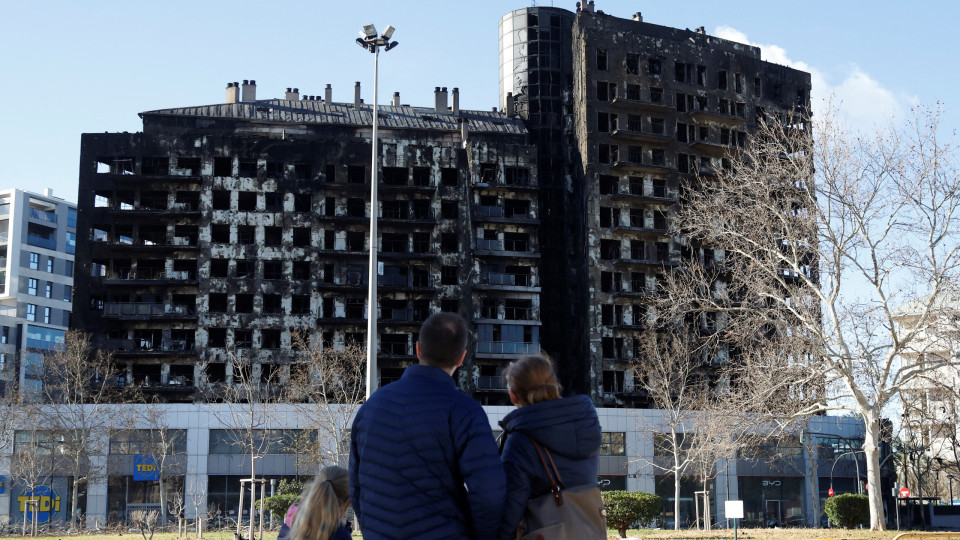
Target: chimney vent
356,95
511,111
638,17
456,101
437,107
249,91
293,94
48,192
445,100
396,99
233,95
328,94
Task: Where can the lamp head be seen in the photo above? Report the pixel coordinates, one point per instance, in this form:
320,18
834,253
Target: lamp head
389,46
388,33
361,42
370,31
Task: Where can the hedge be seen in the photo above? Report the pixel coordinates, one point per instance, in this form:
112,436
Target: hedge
848,510
624,508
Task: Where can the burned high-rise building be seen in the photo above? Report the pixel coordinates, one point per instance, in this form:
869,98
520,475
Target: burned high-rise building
622,111
219,232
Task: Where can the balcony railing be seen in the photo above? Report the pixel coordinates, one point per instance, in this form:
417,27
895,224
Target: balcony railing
492,383
43,215
41,344
489,211
39,241
518,314
145,309
398,314
492,245
507,347
497,278
394,280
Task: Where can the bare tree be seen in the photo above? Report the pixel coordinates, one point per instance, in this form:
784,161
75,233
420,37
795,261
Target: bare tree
37,456
329,385
673,382
77,389
247,409
823,237
145,521
165,446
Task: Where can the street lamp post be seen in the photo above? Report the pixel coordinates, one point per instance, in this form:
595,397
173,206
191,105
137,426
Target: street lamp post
370,40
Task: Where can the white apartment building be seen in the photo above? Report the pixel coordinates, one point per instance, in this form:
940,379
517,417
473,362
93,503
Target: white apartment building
37,241
930,408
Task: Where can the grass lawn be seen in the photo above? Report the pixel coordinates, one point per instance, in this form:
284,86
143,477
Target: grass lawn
750,534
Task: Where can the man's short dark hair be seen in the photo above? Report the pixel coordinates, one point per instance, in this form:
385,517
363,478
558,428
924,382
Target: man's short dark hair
443,338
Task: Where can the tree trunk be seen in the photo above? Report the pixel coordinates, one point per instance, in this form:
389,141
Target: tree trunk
676,497
163,501
814,483
74,503
871,450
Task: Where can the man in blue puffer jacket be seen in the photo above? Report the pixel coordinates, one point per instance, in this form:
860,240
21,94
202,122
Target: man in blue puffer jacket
423,461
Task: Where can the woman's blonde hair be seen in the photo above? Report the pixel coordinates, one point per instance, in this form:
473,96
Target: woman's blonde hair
532,380
322,505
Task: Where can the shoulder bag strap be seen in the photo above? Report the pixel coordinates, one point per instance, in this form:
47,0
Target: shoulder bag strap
555,485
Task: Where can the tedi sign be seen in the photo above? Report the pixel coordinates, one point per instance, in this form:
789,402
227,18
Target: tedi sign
46,505
145,468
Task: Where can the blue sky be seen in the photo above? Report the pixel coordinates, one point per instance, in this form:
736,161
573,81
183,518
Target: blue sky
68,68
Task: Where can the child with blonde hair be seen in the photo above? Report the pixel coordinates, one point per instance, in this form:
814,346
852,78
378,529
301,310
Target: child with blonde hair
322,507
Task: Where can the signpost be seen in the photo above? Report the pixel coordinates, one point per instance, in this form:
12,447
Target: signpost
734,510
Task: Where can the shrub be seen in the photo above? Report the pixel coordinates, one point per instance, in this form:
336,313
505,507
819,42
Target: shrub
278,504
848,510
290,487
624,508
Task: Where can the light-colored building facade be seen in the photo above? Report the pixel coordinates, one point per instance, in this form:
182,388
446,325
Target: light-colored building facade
37,242
930,408
206,465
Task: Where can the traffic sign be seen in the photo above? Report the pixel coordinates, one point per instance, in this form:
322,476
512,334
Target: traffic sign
904,492
830,492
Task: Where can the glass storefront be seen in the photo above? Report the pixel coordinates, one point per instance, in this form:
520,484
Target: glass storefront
688,506
124,491
771,501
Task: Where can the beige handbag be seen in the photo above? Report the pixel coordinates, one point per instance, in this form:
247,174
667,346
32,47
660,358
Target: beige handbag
574,513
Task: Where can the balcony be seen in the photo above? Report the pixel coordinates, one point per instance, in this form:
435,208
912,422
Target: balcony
518,314
507,281
42,241
495,383
43,215
127,276
713,114
641,136
629,167
507,347
397,315
141,310
512,248
498,214
140,347
646,100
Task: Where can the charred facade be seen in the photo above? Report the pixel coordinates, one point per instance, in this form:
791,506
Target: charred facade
209,240
633,109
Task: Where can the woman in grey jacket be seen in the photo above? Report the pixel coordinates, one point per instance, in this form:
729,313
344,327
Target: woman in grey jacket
567,427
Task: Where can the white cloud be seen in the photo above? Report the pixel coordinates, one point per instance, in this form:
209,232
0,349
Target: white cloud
863,101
